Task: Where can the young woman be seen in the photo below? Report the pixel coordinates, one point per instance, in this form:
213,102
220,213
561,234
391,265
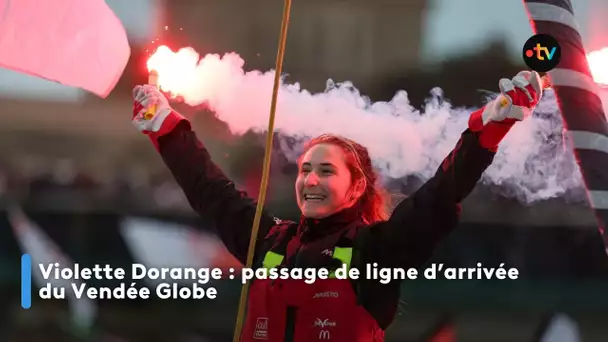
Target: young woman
344,219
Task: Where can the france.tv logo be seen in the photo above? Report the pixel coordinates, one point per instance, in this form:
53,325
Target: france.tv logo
542,53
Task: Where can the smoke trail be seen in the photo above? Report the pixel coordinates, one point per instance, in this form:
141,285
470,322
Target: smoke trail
535,161
532,163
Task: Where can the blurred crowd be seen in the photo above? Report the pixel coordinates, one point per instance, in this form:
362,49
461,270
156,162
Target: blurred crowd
35,176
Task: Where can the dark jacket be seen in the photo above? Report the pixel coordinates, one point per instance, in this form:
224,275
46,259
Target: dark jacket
406,240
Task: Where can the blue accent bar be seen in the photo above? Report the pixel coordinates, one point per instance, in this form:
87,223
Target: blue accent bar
26,281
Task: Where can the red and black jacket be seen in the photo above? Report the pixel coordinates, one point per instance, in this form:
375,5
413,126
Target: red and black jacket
294,311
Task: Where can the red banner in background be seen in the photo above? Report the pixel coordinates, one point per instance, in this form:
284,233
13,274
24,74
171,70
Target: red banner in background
73,42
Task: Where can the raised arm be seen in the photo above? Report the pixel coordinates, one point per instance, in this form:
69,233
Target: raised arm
421,221
210,193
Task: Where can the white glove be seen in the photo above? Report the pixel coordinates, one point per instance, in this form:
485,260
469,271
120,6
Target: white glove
148,97
517,100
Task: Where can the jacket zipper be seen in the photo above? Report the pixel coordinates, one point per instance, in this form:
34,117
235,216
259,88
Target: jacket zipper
290,314
290,324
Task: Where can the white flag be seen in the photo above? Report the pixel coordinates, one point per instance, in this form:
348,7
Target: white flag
155,243
43,250
561,328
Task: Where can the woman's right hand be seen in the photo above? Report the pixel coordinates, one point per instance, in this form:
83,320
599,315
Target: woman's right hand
151,111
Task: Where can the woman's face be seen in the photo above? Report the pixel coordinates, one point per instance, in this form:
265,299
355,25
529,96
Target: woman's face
323,183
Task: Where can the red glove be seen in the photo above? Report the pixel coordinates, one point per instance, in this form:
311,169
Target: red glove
517,100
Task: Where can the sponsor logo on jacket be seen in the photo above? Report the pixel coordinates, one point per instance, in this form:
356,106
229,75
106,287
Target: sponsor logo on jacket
324,323
326,294
261,329
324,335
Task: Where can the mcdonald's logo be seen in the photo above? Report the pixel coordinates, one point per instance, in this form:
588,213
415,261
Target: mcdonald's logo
324,335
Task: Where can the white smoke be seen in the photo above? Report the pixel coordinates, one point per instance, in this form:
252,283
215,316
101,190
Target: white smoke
532,163
535,161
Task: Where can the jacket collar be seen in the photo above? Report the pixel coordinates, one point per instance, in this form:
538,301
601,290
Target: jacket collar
312,229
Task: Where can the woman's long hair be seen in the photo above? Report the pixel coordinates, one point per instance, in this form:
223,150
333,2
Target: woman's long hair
374,201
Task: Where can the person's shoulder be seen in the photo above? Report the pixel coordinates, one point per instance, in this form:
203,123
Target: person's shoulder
371,226
361,234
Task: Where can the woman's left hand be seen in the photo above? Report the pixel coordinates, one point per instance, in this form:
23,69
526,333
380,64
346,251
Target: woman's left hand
517,100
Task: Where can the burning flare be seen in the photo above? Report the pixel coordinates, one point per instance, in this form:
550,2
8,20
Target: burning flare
175,69
532,163
178,71
598,63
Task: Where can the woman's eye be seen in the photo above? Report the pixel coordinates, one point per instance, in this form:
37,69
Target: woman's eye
327,172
